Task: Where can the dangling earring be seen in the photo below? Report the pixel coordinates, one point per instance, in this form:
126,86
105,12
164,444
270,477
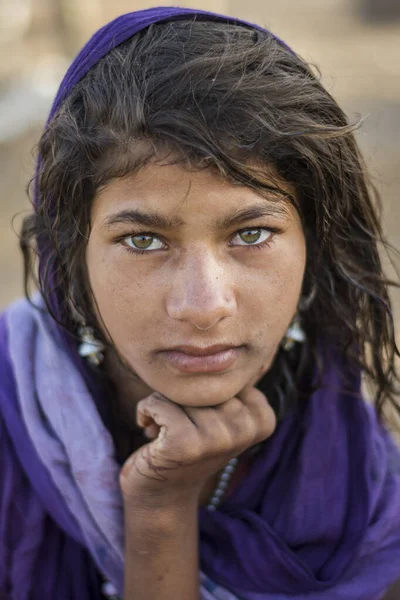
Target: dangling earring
295,332
90,348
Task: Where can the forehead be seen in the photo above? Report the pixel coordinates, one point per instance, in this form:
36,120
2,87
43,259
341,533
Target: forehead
180,193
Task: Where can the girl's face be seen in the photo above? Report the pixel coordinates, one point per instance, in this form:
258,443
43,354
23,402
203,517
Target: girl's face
195,279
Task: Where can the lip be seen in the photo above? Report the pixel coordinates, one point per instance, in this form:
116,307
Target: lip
211,359
199,351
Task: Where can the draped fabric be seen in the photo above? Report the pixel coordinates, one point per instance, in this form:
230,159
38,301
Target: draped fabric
42,552
317,516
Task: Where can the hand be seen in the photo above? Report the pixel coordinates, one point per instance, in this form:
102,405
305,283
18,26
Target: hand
190,445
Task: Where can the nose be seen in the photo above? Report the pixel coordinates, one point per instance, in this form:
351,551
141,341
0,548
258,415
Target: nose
201,293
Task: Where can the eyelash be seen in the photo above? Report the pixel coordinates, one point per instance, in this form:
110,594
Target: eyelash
267,242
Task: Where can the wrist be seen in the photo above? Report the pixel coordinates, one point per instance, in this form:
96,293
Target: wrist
161,552
161,497
159,516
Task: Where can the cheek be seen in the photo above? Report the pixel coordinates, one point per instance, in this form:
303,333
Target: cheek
104,279
289,279
277,284
129,303
119,297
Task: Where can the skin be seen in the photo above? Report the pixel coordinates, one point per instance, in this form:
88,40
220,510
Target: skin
207,280
198,289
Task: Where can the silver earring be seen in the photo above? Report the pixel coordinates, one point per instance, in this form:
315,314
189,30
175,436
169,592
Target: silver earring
294,333
90,348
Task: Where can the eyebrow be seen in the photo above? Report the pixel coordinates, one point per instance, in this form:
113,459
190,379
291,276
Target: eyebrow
157,221
147,219
267,209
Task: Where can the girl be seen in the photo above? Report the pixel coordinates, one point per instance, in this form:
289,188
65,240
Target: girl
181,414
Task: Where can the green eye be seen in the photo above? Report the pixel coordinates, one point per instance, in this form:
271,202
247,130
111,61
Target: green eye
250,236
143,241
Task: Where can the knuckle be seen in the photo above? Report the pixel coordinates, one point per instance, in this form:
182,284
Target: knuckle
154,399
256,428
261,411
267,424
148,403
241,432
234,406
248,432
220,437
270,418
255,399
189,446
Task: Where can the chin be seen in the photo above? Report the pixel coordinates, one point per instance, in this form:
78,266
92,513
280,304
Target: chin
202,391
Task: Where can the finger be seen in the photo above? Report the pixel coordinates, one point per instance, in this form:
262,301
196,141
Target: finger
205,419
158,409
248,416
226,427
260,410
152,431
162,418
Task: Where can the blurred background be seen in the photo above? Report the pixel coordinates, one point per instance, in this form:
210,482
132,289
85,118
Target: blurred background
355,44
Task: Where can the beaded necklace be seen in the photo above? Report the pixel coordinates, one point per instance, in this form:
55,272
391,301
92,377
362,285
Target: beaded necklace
222,484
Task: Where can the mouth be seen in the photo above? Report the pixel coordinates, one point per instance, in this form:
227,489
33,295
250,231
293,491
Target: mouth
195,359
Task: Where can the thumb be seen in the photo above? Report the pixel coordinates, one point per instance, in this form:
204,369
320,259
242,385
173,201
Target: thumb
152,431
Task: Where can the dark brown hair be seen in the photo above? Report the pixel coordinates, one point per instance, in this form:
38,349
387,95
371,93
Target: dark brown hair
234,99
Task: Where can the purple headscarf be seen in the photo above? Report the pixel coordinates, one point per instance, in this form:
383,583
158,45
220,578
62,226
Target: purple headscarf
317,517
105,39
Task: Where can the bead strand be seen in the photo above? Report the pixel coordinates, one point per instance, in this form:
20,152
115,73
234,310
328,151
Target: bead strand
222,485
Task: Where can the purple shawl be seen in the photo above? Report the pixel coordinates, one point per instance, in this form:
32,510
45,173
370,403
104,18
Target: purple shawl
316,518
